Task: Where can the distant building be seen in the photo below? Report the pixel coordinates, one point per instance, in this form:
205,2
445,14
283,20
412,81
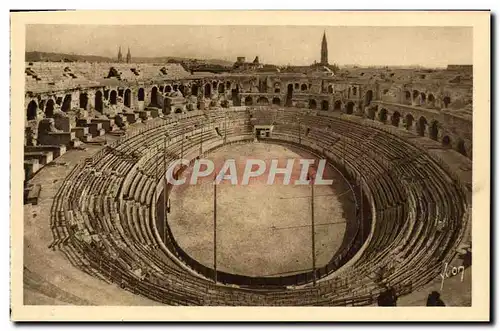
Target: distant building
120,56
129,57
242,65
324,51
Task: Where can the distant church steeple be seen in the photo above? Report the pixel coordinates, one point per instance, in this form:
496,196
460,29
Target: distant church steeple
120,57
129,57
324,50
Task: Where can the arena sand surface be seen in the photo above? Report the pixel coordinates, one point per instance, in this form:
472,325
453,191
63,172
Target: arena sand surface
262,230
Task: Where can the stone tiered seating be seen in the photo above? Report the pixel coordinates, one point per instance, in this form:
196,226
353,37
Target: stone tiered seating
104,212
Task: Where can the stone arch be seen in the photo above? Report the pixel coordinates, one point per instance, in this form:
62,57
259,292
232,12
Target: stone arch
112,97
423,98
194,89
140,94
66,105
324,105
431,99
262,101
32,110
127,98
407,96
98,105
395,118
208,90
461,147
421,125
446,101
49,108
446,141
372,112
221,88
303,87
168,88
382,116
349,109
434,130
154,96
297,86
248,101
415,94
337,105
276,101
368,97
84,100
178,111
330,89
409,121
312,104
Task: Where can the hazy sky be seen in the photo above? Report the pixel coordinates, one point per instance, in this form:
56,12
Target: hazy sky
297,45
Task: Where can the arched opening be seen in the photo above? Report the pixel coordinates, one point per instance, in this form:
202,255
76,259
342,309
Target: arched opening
354,91
409,121
214,85
446,141
382,116
337,105
289,95
415,95
112,97
431,99
262,101
349,107
32,110
276,101
461,147
372,111
423,97
168,89
182,89
178,111
84,100
140,94
98,101
407,96
312,104
368,97
433,130
66,105
277,88
446,101
422,123
127,98
324,105
208,90
194,89
303,87
49,108
395,118
297,86
221,88
154,96
248,101
330,89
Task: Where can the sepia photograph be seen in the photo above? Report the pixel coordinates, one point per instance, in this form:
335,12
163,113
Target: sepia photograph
322,161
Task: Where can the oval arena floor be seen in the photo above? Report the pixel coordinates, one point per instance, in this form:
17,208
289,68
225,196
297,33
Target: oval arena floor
93,224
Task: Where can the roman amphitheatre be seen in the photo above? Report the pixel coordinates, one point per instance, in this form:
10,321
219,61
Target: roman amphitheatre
102,226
